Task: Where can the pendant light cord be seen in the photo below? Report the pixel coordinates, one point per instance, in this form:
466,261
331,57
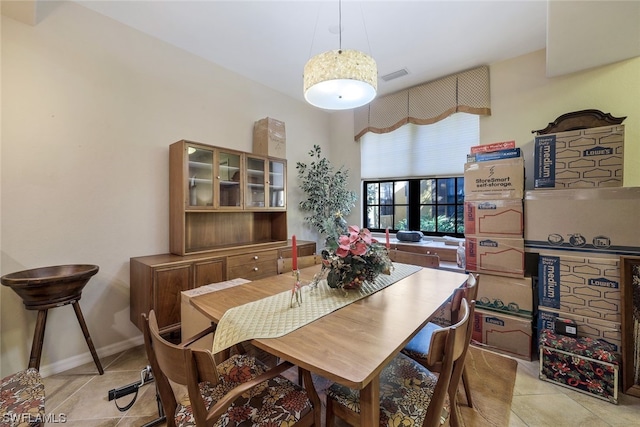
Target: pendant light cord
340,24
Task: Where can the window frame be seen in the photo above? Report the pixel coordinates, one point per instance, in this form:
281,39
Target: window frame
414,205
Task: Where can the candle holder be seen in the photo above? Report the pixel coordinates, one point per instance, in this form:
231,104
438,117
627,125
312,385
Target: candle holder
296,291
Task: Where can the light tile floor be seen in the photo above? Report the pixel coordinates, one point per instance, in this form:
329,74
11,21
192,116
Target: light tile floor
80,396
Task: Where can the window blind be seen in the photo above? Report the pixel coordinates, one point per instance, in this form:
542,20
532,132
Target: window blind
438,149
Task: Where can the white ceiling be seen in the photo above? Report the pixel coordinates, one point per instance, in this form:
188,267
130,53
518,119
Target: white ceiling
269,41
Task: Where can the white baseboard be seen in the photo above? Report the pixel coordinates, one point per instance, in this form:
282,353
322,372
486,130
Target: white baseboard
81,359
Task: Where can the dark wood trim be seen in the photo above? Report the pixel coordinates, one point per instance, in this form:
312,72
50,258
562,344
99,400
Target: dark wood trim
628,340
582,119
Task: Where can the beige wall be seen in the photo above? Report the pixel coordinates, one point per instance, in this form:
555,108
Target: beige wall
89,108
523,99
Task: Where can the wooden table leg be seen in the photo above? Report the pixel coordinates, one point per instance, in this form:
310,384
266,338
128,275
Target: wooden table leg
87,337
370,403
38,338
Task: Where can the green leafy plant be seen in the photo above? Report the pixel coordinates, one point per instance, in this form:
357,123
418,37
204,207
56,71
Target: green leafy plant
328,198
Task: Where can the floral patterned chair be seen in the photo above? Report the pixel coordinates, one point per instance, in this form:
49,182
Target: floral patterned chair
239,391
22,399
410,394
418,347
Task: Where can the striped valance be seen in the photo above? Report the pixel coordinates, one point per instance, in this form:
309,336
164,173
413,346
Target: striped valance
466,92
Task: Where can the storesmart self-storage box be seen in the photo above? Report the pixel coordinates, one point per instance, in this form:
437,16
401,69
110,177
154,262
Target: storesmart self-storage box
495,179
584,158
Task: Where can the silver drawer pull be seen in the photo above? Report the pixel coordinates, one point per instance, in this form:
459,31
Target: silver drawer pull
255,257
255,268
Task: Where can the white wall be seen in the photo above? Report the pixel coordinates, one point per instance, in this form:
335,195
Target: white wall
89,108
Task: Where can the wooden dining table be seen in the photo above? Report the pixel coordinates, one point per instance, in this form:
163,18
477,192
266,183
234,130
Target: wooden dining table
353,344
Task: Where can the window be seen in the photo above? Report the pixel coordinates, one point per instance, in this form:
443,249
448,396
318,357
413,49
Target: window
413,176
431,205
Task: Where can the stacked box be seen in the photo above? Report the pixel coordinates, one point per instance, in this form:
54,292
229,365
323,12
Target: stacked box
495,179
495,255
499,218
269,138
599,221
581,285
503,333
584,158
506,295
494,247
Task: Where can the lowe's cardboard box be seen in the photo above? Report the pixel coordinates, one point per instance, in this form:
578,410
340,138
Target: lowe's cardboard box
495,255
509,295
591,327
600,221
499,218
494,179
503,333
582,285
584,158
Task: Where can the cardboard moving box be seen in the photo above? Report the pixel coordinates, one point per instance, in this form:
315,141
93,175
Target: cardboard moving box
583,285
509,295
503,333
495,179
584,158
602,221
269,138
495,255
500,218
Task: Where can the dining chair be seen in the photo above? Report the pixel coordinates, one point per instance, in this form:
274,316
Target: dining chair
286,264
410,394
418,347
197,391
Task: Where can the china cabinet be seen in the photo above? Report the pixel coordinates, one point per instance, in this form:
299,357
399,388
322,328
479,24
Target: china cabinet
220,197
227,220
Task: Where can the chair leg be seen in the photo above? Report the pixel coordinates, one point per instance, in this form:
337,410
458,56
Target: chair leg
330,418
467,390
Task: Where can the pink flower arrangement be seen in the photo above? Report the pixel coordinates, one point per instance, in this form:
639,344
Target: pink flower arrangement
354,258
356,243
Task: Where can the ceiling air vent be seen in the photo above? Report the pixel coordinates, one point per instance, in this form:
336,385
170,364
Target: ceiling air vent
395,75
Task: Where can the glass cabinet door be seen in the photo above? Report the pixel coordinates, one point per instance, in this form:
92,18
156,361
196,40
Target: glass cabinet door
200,178
276,183
256,180
229,173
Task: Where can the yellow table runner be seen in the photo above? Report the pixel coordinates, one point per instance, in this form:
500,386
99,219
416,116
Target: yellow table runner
273,316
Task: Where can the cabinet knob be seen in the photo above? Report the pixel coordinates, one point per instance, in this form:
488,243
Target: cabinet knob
255,268
218,177
255,257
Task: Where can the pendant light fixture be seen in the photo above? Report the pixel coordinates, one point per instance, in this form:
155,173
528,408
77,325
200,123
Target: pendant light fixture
340,79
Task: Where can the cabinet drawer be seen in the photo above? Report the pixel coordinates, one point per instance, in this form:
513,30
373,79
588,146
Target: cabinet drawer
253,271
251,258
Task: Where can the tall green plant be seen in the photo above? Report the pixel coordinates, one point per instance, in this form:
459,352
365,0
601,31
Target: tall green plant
328,198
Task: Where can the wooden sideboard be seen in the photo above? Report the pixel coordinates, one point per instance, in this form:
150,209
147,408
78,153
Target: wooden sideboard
157,280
